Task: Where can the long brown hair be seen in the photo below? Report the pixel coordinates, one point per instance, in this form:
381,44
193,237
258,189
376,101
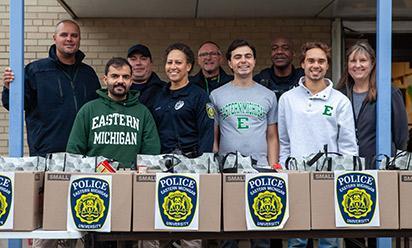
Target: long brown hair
346,81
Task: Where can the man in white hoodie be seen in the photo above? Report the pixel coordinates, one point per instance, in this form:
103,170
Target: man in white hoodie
313,115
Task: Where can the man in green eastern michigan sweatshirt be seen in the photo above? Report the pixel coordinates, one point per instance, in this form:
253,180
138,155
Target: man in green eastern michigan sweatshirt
115,125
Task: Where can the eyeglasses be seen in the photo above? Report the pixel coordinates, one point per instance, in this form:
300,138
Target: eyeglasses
205,54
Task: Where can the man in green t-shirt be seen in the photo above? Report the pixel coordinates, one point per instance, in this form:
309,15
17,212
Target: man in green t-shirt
116,125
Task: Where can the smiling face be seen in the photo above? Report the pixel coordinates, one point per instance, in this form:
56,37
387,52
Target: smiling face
177,68
67,39
118,81
209,58
282,54
360,66
242,62
142,67
315,64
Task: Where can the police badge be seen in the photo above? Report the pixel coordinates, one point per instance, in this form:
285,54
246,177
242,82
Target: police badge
356,198
6,200
177,198
89,203
266,196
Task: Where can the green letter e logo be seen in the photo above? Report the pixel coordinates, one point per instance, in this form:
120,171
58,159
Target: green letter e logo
242,123
328,110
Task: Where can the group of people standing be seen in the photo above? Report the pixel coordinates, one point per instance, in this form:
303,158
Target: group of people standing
278,113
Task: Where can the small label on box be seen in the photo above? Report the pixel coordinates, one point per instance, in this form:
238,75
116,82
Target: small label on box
323,176
235,178
146,178
37,177
58,177
406,178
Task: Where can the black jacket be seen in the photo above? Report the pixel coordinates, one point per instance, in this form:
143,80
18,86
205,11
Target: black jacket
365,126
199,79
182,120
279,85
152,87
52,99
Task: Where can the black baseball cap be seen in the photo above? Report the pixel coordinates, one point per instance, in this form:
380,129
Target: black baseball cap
140,49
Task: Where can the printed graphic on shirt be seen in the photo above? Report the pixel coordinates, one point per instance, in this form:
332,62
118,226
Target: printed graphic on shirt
327,110
6,200
266,201
177,198
89,203
242,112
115,138
356,198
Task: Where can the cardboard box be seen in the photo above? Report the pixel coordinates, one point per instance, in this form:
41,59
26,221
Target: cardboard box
405,200
323,205
28,200
144,192
56,187
234,217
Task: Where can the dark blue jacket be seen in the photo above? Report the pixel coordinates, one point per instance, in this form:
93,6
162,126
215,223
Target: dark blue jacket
52,98
209,86
182,120
279,85
147,93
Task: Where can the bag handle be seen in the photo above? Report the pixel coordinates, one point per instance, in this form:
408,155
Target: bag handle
357,162
169,163
376,159
229,170
290,161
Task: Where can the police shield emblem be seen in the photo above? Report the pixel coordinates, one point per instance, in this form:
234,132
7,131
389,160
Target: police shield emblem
6,200
356,198
89,203
267,201
177,200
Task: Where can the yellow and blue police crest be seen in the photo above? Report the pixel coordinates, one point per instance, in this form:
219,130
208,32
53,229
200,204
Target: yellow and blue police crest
6,200
177,206
89,203
177,198
267,206
356,198
90,208
210,110
266,198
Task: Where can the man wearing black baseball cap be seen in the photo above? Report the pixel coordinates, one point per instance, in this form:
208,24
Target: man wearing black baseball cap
144,79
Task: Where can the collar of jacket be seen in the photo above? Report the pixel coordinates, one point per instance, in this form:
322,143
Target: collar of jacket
200,75
155,79
53,56
131,98
179,92
321,95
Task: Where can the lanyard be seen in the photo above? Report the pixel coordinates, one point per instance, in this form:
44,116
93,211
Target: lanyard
207,83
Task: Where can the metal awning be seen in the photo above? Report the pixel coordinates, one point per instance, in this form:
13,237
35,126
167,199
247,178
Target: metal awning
345,9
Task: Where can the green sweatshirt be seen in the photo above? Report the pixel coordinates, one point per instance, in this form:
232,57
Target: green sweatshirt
116,130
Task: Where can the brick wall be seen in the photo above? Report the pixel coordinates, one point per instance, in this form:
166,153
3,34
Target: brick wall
105,38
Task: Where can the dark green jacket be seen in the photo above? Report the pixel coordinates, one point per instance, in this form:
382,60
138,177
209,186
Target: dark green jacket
116,130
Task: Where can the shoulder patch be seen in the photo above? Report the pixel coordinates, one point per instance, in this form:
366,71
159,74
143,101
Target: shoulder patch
210,110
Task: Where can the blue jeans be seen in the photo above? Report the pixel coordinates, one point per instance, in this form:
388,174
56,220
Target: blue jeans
323,243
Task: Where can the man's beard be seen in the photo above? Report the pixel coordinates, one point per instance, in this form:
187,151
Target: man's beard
118,94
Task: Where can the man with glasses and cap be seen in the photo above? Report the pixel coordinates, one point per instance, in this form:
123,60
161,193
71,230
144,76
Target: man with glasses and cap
144,79
211,74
